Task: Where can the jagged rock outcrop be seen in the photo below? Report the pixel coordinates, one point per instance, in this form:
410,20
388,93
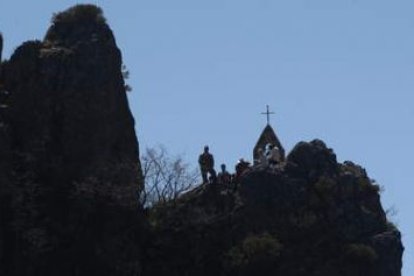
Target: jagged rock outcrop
69,169
312,217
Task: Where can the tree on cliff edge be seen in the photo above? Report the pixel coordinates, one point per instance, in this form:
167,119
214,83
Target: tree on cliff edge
166,177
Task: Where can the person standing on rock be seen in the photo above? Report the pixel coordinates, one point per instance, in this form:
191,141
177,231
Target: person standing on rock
224,177
206,162
241,167
273,156
261,161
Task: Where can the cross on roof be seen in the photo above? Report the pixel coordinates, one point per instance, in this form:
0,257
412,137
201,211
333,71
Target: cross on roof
267,113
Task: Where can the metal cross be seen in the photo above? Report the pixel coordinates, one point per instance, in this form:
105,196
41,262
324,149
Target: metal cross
267,113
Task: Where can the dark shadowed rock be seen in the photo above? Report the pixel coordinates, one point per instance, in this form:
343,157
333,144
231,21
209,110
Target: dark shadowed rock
73,155
311,160
389,249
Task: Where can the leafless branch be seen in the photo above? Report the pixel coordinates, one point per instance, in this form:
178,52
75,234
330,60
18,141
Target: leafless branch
166,177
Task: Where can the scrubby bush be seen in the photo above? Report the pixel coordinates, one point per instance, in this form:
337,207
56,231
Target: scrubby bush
365,185
360,253
354,169
258,250
325,186
80,13
303,220
325,189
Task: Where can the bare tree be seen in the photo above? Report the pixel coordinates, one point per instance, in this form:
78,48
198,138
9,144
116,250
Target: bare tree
166,177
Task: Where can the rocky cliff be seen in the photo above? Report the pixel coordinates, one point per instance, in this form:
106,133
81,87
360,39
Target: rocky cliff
312,216
70,173
70,180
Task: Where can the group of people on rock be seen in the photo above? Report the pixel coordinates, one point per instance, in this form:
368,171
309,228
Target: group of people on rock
269,157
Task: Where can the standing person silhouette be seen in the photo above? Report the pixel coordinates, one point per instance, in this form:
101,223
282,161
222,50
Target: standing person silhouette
273,156
224,177
206,162
261,161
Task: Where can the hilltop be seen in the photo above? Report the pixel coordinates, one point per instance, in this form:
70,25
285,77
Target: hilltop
70,179
313,216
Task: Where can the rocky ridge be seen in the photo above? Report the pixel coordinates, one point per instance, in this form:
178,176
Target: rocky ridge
314,216
70,178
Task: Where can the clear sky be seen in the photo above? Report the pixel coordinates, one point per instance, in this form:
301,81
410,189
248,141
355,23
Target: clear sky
202,71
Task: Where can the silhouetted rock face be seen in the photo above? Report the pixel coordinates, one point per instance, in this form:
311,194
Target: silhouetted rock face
312,217
72,154
311,160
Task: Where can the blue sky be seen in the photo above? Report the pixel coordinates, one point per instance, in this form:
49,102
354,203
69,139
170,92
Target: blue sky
202,71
